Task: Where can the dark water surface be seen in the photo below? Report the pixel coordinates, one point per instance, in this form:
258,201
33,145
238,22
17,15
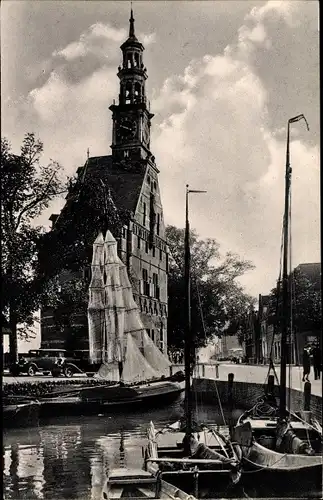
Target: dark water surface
69,457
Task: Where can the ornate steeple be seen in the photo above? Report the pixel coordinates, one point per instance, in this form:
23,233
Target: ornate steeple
131,116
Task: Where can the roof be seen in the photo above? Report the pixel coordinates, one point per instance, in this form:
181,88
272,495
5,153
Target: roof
124,183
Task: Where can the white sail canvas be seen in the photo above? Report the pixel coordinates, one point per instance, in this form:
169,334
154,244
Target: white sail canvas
123,337
96,305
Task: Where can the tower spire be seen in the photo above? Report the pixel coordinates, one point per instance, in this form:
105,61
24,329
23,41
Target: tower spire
132,24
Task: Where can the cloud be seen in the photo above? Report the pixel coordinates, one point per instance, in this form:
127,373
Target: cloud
213,128
214,134
100,39
73,100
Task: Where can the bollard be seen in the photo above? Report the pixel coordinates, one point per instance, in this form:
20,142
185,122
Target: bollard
230,388
230,401
217,370
307,396
203,370
271,384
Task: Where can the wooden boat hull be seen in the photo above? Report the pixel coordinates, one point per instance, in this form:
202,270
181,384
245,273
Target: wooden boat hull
17,415
113,398
282,474
205,473
132,483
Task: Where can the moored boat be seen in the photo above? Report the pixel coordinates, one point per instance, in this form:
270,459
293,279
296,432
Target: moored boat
136,483
130,360
282,446
192,457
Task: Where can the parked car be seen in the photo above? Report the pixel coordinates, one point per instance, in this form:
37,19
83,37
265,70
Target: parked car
46,361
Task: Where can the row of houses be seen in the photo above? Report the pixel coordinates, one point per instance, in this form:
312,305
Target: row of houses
260,339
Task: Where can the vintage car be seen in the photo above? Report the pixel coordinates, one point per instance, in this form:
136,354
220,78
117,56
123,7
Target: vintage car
46,361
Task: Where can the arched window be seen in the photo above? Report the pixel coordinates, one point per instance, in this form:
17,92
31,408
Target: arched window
137,92
136,60
128,93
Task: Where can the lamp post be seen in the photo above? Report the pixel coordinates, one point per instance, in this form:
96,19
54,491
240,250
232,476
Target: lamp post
285,302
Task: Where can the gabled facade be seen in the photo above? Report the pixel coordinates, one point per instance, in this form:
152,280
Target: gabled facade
129,178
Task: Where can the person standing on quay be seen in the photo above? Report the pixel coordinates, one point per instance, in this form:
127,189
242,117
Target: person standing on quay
317,360
306,363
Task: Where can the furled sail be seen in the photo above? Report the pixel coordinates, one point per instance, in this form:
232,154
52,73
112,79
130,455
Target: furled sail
96,305
125,338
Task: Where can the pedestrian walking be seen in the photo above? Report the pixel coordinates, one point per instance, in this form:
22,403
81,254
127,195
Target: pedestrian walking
306,363
317,361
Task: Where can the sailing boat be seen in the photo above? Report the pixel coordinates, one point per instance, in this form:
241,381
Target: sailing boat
135,369
275,440
192,457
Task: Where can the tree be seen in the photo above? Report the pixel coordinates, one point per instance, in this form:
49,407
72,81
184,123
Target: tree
306,303
217,298
28,187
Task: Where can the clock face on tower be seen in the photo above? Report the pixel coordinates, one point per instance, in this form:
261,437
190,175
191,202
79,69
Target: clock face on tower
127,129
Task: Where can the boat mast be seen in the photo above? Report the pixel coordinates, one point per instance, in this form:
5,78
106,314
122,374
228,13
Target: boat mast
286,310
189,334
188,347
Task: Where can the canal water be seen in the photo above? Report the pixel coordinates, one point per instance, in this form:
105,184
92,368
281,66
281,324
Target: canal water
68,458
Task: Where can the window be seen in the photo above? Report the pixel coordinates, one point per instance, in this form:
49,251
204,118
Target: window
158,224
166,262
144,214
128,93
148,331
153,335
154,251
124,232
126,153
147,247
145,282
137,92
160,255
156,286
138,242
148,179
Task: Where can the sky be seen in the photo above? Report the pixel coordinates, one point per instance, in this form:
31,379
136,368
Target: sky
224,77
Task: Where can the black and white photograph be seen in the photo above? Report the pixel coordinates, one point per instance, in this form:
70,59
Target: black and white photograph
161,302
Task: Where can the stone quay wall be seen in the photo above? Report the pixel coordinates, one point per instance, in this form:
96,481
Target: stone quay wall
245,395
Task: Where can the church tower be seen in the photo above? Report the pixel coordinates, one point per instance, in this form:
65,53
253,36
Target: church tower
131,117
129,179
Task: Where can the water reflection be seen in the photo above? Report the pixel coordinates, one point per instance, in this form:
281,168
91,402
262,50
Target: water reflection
70,457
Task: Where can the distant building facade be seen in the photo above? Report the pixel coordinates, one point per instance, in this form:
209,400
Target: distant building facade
271,336
129,177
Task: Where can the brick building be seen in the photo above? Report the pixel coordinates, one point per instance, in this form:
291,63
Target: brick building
129,179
